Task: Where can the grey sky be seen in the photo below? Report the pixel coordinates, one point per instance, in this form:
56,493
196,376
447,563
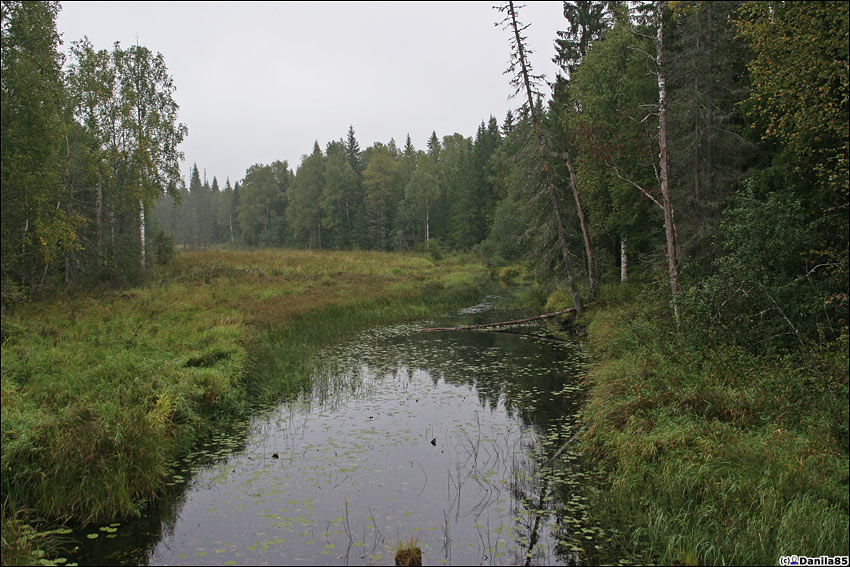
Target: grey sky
258,82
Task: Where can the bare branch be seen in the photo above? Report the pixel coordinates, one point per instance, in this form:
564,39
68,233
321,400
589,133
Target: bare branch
646,194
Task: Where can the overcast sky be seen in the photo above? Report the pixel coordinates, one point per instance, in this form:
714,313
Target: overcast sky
258,82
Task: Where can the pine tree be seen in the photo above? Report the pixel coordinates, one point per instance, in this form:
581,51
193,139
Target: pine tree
508,124
434,147
352,150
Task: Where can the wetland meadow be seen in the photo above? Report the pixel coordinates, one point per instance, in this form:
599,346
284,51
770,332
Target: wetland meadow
280,406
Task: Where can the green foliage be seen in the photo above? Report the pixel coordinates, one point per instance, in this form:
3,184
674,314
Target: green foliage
163,249
339,198
800,84
710,147
587,22
37,228
435,250
382,192
613,139
513,178
764,294
304,211
97,143
262,208
557,301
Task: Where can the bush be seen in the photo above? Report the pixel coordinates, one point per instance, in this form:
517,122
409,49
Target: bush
764,295
163,248
435,249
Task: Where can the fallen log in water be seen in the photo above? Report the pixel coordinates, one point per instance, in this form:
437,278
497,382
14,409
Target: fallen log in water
501,323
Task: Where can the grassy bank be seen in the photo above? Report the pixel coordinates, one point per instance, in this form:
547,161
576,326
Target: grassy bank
101,392
713,456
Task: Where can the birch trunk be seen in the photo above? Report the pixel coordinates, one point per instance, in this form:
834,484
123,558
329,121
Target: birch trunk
669,226
112,235
427,221
99,221
624,261
141,234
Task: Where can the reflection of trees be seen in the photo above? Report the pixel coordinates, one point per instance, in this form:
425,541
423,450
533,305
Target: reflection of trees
520,373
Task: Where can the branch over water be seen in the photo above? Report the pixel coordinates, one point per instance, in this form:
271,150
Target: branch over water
500,323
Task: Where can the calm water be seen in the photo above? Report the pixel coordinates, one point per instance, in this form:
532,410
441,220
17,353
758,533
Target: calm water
443,436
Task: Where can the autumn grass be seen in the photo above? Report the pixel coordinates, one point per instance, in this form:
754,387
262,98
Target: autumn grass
101,392
408,553
714,456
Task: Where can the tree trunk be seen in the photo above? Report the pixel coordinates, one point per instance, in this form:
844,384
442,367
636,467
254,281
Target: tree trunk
141,234
624,261
427,222
99,221
500,323
112,235
69,190
669,226
591,264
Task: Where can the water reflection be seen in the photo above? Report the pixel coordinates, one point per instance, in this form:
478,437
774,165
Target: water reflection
444,436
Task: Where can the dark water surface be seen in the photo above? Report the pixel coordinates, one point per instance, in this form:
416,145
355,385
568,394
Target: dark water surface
445,437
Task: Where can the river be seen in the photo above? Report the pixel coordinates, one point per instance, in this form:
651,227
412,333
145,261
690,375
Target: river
445,437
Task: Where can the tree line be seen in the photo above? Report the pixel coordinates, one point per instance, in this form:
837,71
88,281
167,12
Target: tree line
705,143
381,198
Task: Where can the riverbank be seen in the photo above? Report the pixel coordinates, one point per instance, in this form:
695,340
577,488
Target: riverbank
712,456
101,393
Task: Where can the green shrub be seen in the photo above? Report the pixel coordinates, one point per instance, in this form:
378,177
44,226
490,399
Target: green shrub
163,248
435,249
766,293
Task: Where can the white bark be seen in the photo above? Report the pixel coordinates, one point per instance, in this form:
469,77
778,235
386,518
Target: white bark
99,221
142,234
624,261
669,226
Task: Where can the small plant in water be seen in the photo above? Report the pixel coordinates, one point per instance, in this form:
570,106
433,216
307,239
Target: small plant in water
408,553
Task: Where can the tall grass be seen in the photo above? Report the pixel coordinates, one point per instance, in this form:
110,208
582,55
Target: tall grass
101,392
715,456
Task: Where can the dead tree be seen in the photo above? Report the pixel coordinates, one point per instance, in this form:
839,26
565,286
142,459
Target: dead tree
523,79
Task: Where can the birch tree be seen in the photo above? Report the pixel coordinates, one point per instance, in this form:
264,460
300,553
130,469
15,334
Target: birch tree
150,122
663,165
